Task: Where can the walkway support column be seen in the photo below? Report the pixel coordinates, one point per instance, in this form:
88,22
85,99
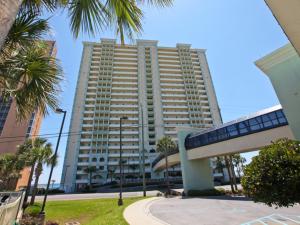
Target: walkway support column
196,174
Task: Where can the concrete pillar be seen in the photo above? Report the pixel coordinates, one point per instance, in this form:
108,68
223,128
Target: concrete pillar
283,68
196,174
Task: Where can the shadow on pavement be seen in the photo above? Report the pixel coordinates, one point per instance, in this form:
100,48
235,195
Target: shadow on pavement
224,197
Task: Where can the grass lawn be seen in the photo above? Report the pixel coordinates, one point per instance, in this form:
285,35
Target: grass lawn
88,212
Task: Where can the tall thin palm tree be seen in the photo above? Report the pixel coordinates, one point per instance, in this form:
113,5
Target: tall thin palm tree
24,152
28,153
38,153
90,170
165,145
89,16
111,172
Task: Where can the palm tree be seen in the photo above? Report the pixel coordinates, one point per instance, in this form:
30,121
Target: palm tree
27,73
89,16
39,154
28,154
90,170
111,172
165,145
220,165
10,167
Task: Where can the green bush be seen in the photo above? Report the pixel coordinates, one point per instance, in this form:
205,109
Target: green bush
33,210
273,177
207,192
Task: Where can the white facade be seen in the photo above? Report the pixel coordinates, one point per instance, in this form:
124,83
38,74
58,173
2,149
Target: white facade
169,87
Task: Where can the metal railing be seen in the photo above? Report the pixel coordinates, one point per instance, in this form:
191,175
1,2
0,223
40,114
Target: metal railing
10,206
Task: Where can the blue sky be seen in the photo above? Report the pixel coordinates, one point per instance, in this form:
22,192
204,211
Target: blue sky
234,32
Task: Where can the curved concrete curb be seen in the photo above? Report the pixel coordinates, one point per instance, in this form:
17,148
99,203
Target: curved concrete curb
139,213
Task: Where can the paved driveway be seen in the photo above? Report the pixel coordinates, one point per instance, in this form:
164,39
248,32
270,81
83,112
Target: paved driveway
221,211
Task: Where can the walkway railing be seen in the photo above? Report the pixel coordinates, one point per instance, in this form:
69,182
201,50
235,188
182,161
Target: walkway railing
10,206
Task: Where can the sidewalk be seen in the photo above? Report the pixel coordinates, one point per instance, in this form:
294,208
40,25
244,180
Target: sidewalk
138,213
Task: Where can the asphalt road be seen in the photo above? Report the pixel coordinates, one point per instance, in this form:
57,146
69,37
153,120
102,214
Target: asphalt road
221,211
95,195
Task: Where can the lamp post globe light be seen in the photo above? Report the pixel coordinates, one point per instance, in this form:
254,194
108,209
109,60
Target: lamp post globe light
58,110
120,200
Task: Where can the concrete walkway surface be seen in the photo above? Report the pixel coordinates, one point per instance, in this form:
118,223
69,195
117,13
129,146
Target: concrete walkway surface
138,213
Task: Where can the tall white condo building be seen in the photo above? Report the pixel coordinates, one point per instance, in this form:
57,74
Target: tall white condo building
157,88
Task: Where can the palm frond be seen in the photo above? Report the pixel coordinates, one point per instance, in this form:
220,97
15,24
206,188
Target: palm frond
126,16
158,3
26,29
34,80
89,16
38,6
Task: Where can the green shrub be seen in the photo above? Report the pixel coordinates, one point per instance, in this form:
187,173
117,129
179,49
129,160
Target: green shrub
33,210
273,177
207,192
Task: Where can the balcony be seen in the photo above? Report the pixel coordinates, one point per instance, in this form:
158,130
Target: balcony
117,155
176,119
125,147
123,139
175,113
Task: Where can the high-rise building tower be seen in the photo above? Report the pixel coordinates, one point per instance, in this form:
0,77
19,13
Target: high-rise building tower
168,87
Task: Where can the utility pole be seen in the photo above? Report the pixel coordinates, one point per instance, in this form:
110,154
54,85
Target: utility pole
143,154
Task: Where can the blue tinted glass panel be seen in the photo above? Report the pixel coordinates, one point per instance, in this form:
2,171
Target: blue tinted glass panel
204,139
212,136
242,127
266,121
280,113
272,116
254,124
232,131
222,134
282,120
275,122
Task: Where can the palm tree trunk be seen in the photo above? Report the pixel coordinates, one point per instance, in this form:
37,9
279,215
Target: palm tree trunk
35,187
28,185
90,181
229,173
167,174
233,173
9,11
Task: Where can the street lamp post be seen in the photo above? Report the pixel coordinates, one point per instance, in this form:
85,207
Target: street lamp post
120,200
54,157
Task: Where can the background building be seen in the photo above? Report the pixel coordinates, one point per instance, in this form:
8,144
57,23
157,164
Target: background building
14,133
160,87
